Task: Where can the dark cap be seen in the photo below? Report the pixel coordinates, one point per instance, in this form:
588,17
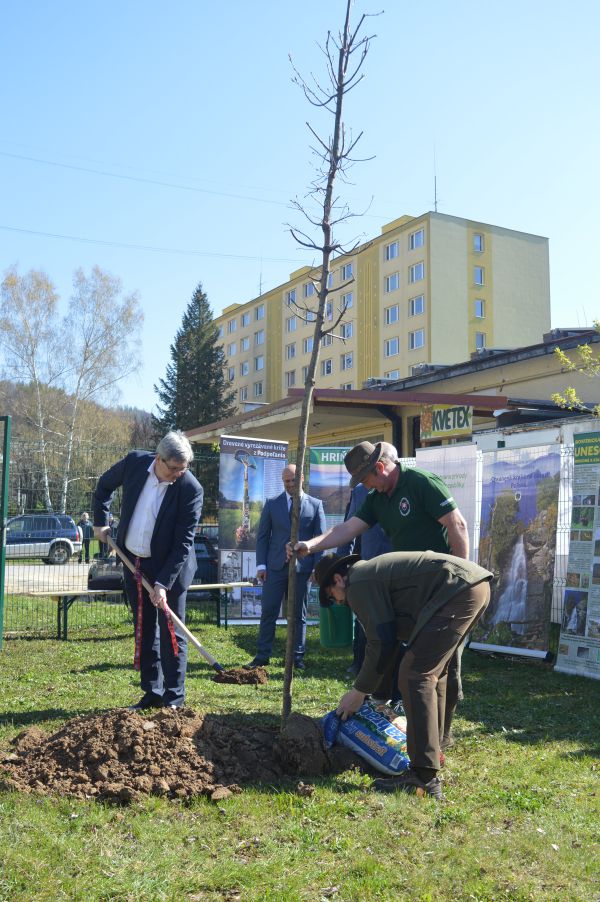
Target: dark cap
361,459
325,569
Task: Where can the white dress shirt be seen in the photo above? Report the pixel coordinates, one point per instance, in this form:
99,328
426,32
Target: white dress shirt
143,519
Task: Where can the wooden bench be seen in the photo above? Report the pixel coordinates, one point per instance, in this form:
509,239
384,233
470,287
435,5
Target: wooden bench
222,592
65,598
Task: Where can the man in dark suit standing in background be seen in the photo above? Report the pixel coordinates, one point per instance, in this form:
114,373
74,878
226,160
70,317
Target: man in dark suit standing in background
272,565
160,508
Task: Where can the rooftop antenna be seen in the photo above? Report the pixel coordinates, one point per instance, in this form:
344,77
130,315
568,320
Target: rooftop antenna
434,183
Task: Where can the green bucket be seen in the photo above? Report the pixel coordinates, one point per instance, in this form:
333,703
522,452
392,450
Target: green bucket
336,626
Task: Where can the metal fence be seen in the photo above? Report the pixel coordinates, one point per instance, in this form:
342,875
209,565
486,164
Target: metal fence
43,599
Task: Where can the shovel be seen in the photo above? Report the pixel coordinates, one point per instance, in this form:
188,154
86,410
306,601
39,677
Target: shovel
190,636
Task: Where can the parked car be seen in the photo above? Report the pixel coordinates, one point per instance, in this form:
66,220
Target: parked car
207,560
52,537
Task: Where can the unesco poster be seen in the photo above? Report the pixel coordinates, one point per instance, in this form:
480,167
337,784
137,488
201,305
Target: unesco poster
579,643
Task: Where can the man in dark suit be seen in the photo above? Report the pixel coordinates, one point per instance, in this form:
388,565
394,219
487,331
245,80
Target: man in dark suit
272,565
160,508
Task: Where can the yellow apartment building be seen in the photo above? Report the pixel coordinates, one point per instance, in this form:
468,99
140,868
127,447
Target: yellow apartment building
431,289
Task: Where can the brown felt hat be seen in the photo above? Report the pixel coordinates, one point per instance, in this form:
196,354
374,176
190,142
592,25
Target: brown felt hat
360,460
324,570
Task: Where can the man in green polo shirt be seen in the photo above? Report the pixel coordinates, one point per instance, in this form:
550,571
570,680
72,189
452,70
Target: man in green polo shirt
416,510
429,600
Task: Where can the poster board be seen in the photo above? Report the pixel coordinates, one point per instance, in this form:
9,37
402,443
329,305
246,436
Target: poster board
519,513
249,473
579,643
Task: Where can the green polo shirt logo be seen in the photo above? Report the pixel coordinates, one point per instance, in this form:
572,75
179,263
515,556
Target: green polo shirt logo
404,507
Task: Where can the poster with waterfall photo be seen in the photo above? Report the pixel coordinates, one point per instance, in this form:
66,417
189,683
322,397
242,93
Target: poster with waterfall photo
519,512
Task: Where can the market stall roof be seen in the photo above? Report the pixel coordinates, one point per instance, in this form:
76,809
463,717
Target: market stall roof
336,410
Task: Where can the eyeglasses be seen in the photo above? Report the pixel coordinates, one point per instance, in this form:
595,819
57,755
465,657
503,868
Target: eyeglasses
177,468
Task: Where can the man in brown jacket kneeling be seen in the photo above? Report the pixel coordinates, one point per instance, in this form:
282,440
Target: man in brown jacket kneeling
429,600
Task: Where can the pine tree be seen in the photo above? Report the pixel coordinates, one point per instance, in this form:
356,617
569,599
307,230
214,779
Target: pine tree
194,391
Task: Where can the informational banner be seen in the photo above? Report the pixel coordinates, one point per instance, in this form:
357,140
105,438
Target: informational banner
458,466
249,473
579,644
330,481
519,511
446,421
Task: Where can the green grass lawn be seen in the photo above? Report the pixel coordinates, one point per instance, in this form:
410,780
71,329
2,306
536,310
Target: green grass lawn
521,820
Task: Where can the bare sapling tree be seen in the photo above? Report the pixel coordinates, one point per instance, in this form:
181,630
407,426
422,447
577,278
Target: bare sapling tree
344,57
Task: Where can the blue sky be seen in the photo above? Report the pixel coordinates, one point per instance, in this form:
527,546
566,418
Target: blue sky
168,139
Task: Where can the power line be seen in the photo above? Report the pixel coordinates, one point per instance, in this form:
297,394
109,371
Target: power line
144,181
146,247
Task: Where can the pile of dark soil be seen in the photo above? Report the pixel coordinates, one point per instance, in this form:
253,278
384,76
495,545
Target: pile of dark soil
241,677
122,755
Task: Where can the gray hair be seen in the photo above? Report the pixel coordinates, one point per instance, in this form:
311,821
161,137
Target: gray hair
389,452
175,446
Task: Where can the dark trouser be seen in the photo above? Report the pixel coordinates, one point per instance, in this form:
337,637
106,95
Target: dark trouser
423,674
273,593
161,672
85,550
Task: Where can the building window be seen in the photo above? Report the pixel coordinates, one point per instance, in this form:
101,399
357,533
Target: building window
220,332
304,373
416,339
232,349
346,386
330,280
308,289
259,337
392,374
245,319
243,393
244,344
392,314
346,272
391,250
479,308
258,390
329,310
310,316
478,243
290,297
290,324
478,275
347,330
416,305
347,361
416,272
231,326
307,345
327,367
327,340
259,312
290,351
290,378
392,283
347,300
391,347
417,239
479,341
244,368
259,363
231,373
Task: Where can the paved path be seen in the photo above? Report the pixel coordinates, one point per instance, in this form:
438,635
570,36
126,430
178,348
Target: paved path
39,577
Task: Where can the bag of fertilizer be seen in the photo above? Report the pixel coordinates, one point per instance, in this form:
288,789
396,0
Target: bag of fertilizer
373,733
